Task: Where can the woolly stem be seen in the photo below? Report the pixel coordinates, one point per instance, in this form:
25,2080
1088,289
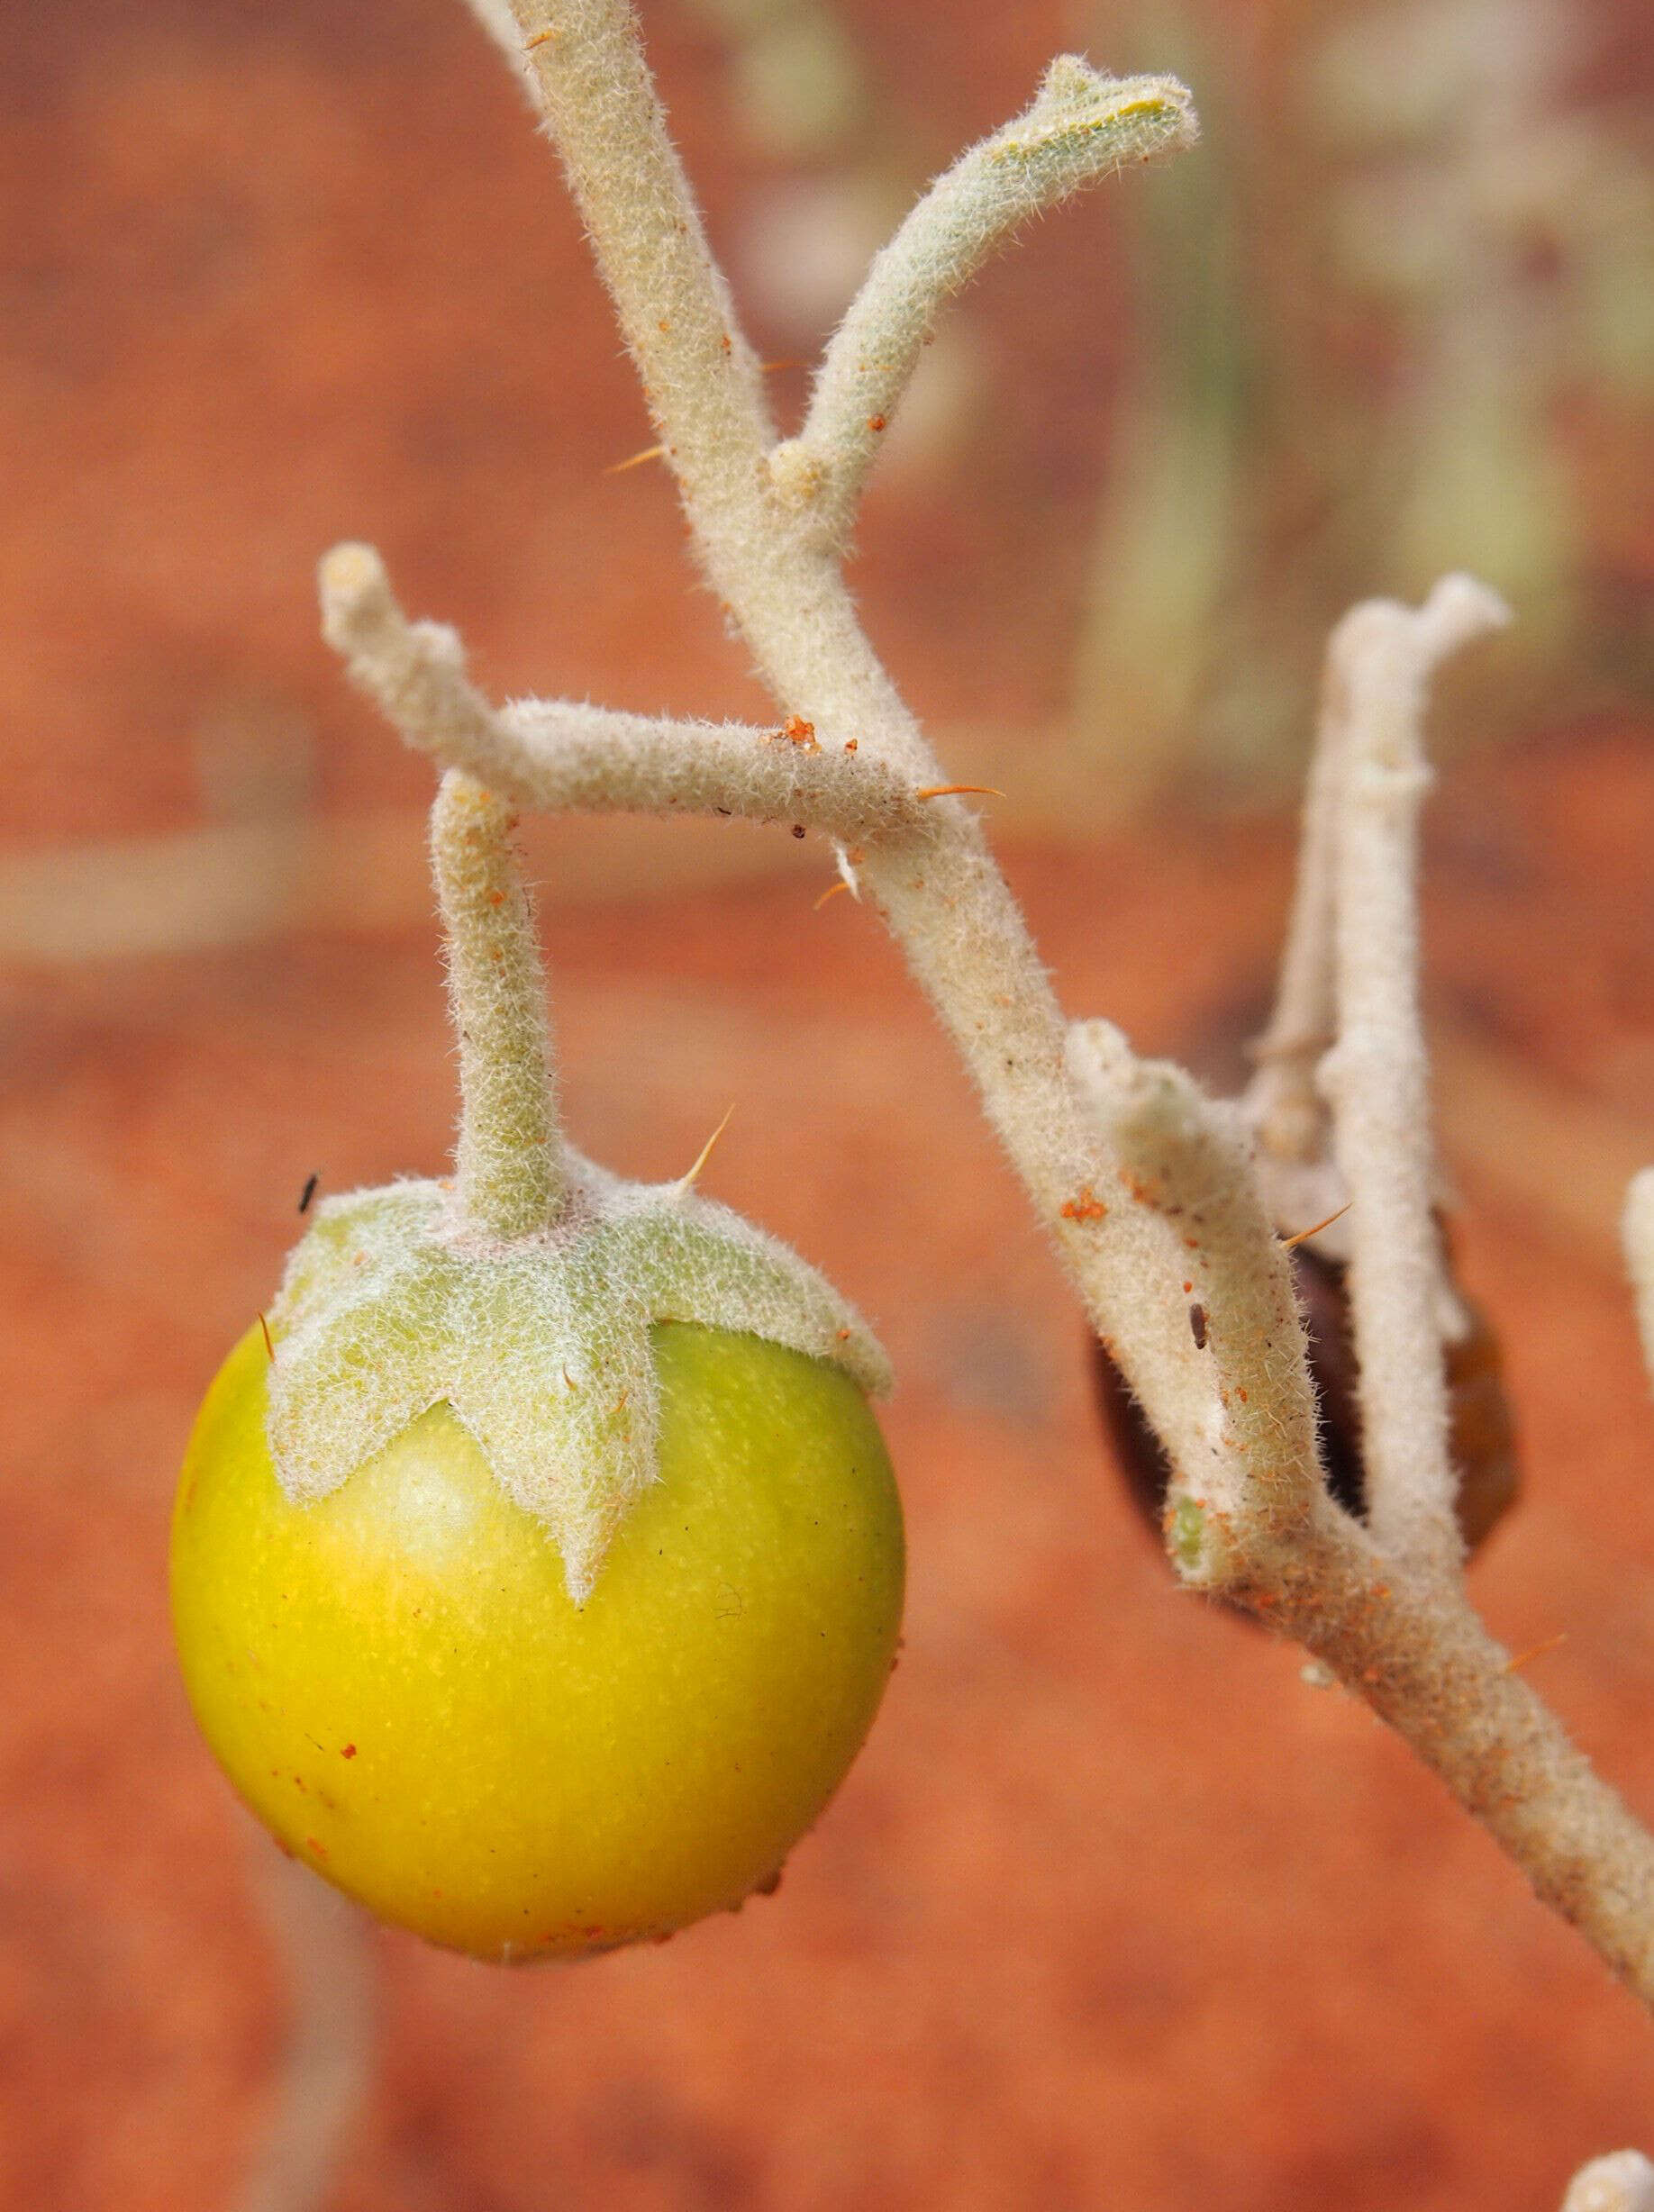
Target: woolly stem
1377,1074
1283,1103
784,589
1238,1418
508,1159
1080,127
1405,1640
1415,1650
560,755
701,378
1251,1520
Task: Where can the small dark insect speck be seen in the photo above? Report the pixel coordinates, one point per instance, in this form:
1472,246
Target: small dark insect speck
310,1191
1198,1326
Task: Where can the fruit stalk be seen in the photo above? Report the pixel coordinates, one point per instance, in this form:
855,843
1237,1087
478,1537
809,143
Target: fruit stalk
508,1161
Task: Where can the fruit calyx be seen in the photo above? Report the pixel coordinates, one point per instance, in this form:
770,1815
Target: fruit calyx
392,1304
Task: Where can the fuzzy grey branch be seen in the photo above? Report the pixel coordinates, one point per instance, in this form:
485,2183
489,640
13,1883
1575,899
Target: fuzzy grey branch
1402,1636
591,758
1226,1370
509,1162
1081,126
1376,1075
1413,1648
1283,1103
561,756
701,378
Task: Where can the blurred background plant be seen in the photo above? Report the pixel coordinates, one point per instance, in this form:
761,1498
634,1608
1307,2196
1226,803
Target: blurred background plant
1395,312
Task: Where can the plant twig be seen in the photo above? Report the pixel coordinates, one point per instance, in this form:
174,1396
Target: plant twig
1283,1101
1377,1074
562,754
942,897
1081,126
509,1157
1227,1374
1398,1631
702,380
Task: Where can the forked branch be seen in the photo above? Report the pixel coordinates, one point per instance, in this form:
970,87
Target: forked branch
1145,1185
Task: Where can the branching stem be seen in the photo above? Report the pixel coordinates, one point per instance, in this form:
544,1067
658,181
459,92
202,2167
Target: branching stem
561,755
1144,1185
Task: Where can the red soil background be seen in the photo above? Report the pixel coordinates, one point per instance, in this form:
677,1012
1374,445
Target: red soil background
1115,1910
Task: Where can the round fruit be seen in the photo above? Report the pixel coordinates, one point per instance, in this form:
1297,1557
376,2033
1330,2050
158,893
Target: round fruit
398,1684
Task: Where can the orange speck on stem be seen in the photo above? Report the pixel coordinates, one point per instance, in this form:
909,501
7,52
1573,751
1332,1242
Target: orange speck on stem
1086,1207
876,422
